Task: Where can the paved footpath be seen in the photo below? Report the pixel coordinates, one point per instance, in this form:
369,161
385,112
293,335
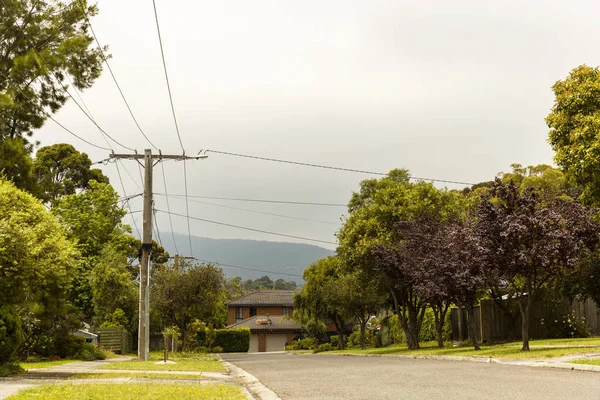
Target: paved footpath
11,385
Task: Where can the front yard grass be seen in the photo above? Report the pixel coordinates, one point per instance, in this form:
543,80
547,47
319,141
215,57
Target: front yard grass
44,364
134,374
594,361
539,349
192,362
146,391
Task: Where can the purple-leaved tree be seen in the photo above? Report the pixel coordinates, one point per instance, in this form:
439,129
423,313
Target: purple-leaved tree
528,244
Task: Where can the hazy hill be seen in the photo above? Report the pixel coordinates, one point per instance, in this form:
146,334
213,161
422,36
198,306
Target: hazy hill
291,258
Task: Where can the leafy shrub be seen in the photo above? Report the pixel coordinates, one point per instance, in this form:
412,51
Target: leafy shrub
303,344
569,326
428,331
10,333
225,340
323,347
334,340
68,346
10,369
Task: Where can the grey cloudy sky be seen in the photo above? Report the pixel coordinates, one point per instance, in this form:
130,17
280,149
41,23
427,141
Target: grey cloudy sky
451,90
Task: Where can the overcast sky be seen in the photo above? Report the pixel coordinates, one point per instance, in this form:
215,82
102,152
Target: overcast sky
450,90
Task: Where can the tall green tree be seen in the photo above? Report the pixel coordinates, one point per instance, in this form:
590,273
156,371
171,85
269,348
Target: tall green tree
36,261
92,219
42,42
60,170
374,215
183,292
321,299
113,289
16,164
574,124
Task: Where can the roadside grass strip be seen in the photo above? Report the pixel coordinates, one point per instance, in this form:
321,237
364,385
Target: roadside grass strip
45,364
133,374
131,391
538,349
180,365
593,361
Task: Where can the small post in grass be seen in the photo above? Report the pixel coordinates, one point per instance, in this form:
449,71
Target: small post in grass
172,332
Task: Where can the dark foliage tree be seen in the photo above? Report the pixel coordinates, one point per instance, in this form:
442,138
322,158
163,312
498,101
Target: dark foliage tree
42,42
528,244
61,170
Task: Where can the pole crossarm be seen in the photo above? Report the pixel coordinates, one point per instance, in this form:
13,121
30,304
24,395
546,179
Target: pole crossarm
179,157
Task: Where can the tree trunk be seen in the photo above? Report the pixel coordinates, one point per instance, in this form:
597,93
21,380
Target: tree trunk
363,326
439,314
339,327
472,332
526,319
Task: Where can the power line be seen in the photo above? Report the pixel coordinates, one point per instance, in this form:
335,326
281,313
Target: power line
261,212
187,208
250,269
251,229
104,58
127,199
260,200
72,133
168,206
331,167
155,220
162,52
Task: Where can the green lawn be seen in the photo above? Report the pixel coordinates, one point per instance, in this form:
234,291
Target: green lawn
146,391
133,374
539,349
181,365
595,361
44,364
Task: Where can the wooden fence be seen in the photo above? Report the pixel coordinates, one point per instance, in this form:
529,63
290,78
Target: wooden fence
494,323
117,340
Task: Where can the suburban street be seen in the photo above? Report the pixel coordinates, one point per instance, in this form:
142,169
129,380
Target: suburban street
297,377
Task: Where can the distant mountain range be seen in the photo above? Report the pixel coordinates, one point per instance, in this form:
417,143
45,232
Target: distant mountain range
274,259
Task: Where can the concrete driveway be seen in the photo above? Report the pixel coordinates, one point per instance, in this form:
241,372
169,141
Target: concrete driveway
322,376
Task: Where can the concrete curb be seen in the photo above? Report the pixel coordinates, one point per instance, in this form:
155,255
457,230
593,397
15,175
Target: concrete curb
522,363
252,387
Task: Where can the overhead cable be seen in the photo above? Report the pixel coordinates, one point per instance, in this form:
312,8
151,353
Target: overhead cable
304,164
251,229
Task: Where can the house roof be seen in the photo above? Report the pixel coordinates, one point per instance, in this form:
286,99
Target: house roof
265,298
277,323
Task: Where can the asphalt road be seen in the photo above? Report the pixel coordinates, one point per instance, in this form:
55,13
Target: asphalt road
295,377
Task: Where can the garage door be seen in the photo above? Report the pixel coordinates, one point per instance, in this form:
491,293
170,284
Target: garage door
276,342
253,344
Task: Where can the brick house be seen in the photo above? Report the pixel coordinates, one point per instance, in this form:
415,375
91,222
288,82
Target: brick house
265,312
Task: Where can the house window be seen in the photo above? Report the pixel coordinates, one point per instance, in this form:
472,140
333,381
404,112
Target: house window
286,311
238,314
252,311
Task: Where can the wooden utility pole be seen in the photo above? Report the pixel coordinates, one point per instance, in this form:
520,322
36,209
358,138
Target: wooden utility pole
144,306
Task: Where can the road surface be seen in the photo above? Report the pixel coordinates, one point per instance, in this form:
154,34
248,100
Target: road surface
320,376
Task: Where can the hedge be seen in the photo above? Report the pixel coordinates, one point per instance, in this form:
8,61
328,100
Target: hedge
231,340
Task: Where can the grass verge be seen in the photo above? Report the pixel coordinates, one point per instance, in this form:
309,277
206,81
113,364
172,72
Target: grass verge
133,374
595,361
539,349
180,365
45,364
146,391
